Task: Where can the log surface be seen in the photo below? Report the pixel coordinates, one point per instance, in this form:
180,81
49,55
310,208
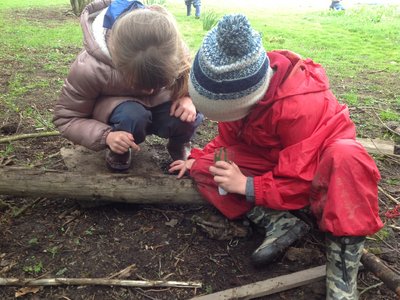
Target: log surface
154,189
89,179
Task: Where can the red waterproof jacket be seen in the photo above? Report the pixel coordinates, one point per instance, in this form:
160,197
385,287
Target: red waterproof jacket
286,133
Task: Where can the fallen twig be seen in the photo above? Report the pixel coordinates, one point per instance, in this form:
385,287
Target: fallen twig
394,227
388,195
96,281
387,127
370,288
23,209
28,136
123,273
144,294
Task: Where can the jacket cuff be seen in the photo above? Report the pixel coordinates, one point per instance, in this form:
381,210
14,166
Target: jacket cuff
250,195
195,153
257,189
104,137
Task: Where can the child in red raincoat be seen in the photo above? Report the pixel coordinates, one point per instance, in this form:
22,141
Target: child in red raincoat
287,143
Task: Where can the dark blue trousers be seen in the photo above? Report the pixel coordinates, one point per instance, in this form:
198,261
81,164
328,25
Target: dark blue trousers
141,121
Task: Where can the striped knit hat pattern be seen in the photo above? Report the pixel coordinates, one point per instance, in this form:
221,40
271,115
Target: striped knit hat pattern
230,72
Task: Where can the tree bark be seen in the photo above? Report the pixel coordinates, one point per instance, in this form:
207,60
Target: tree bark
155,189
377,267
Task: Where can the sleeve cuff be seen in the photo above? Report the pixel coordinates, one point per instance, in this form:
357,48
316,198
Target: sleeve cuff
250,197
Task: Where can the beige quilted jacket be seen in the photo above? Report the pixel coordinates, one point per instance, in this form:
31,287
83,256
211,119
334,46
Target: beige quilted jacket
94,88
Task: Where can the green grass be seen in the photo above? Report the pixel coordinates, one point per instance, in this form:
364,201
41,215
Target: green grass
8,4
37,52
346,43
210,19
359,48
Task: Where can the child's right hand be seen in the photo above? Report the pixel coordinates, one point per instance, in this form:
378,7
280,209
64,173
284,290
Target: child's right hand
184,109
181,165
120,142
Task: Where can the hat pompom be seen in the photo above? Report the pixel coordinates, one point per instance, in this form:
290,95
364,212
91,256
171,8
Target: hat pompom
230,72
235,36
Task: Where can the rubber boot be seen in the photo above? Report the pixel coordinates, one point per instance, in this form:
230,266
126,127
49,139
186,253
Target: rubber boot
179,151
281,230
188,9
118,162
197,7
343,256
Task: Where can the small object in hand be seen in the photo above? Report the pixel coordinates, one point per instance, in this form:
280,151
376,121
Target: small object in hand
221,154
222,192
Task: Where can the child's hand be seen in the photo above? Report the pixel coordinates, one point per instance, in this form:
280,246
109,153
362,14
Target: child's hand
183,108
229,177
120,141
182,166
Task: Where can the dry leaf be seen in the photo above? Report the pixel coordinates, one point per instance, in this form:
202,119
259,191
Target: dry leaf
172,223
26,290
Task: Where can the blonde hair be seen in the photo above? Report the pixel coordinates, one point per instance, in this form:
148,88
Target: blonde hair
146,46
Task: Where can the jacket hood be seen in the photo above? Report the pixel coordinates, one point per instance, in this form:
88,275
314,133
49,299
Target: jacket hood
293,76
88,16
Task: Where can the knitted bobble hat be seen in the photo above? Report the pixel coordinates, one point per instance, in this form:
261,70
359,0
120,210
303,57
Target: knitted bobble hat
231,71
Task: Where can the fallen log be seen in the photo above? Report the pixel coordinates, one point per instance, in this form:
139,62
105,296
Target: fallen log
86,180
145,189
377,146
380,270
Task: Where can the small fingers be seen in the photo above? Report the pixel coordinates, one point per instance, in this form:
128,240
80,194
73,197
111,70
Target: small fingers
173,108
173,169
183,116
176,163
135,147
178,112
181,173
118,149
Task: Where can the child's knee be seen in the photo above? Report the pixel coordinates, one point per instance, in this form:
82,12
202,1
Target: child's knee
180,130
345,153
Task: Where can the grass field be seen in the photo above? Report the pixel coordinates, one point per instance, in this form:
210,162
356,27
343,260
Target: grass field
359,47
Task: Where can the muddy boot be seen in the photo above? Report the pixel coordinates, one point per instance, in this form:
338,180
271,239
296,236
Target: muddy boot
281,230
179,151
118,162
343,256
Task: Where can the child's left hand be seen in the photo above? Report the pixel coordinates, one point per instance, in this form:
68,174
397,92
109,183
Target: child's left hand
183,108
229,177
181,166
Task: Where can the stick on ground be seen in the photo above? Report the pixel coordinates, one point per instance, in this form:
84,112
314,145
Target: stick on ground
96,281
28,136
269,286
